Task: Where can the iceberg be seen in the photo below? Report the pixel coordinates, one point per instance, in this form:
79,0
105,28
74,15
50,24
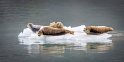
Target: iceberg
80,38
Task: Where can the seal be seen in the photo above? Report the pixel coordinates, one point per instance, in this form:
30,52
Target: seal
53,31
97,29
33,27
56,25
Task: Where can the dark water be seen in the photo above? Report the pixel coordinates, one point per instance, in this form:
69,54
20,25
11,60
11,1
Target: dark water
15,14
12,51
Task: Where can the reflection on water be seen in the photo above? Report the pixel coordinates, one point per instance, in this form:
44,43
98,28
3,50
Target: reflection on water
100,48
46,49
55,50
59,50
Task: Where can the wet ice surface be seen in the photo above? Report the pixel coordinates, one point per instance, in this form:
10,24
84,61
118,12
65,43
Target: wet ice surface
80,38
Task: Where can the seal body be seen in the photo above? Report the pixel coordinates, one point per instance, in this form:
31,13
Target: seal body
53,31
97,29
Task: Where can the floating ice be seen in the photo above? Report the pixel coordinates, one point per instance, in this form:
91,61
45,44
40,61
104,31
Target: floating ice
80,38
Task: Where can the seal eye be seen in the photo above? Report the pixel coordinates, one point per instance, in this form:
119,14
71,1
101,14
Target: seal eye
39,33
86,30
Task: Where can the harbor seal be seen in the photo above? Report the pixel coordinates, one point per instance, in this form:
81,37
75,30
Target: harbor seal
97,29
56,25
53,31
33,27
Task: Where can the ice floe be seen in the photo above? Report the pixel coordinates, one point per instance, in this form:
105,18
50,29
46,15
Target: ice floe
80,38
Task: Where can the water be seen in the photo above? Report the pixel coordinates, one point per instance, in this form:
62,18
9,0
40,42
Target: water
14,15
12,50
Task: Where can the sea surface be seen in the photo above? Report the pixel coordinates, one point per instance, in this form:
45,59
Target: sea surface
12,51
15,14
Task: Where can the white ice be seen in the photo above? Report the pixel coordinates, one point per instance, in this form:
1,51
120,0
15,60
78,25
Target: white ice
80,38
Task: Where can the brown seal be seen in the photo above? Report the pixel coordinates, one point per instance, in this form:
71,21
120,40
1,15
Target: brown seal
53,31
97,29
56,25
